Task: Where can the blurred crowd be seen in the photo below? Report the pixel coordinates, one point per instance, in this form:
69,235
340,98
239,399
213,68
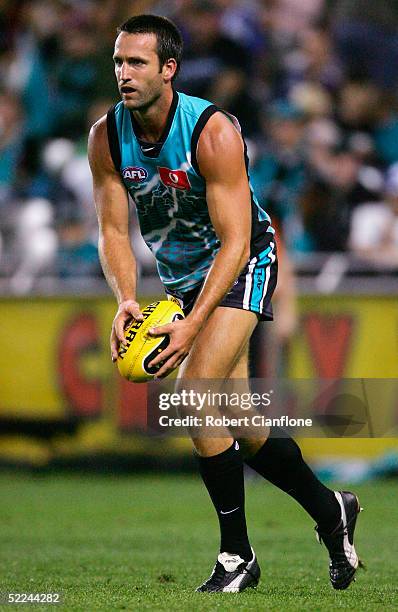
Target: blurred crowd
314,84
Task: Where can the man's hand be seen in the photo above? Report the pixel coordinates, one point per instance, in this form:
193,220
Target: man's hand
129,309
182,335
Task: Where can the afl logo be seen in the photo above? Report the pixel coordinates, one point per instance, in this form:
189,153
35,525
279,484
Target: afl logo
134,174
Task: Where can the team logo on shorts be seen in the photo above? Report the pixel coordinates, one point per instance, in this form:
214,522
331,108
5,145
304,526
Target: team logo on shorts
134,174
174,178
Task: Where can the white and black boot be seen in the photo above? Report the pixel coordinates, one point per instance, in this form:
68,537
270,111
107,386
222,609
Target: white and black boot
344,560
232,574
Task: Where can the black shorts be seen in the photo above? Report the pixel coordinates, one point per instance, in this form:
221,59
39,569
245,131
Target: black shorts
252,290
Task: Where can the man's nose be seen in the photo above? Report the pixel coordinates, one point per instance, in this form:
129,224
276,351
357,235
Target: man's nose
124,72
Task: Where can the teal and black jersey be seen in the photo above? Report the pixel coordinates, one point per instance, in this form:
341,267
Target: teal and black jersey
169,192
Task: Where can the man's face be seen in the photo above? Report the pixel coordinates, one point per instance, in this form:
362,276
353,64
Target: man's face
139,76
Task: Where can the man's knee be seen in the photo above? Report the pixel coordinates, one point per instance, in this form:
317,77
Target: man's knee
250,446
209,447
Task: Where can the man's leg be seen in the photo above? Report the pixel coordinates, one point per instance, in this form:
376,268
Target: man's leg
279,460
216,351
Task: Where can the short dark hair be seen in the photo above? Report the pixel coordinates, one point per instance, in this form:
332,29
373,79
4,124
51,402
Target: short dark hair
169,39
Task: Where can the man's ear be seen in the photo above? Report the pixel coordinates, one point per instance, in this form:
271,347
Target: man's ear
169,69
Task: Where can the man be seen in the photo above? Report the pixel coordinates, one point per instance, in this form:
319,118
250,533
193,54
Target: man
183,163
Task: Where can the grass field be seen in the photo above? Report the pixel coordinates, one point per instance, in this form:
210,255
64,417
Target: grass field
145,543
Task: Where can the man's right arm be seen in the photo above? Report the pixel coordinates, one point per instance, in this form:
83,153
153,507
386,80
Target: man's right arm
114,247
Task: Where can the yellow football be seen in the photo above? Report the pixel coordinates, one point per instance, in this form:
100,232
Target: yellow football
141,348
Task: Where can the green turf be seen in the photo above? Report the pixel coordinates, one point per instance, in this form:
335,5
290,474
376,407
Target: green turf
145,543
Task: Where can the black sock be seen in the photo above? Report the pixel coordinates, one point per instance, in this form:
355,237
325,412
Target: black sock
223,477
280,461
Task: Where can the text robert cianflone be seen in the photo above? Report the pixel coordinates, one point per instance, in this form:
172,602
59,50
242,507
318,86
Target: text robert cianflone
210,421
198,401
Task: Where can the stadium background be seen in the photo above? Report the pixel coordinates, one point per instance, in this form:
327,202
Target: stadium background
314,87
314,84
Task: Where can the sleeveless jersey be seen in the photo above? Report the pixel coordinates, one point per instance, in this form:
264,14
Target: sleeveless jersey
165,183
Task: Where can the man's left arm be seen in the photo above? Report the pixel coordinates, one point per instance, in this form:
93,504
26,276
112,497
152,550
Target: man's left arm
220,156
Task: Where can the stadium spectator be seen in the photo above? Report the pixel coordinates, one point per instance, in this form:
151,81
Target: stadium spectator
327,61
357,105
77,254
208,51
374,227
76,76
230,91
366,36
313,60
279,174
23,74
339,181
11,143
36,244
386,129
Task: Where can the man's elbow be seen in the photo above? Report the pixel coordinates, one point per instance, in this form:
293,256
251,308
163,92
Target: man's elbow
240,250
112,235
246,253
244,259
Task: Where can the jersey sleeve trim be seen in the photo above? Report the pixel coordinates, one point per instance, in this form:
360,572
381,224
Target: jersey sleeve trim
200,124
113,138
